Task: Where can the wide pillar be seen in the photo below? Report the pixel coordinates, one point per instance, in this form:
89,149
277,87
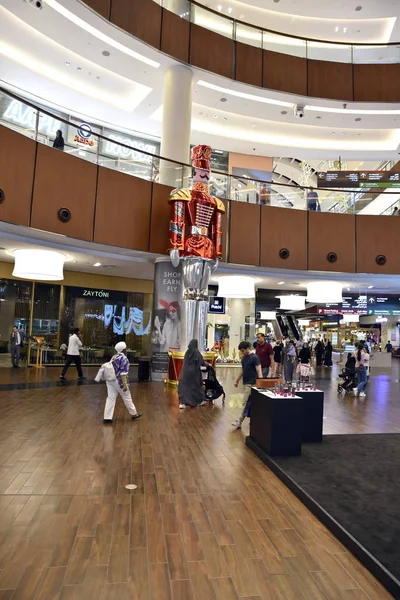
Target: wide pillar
176,125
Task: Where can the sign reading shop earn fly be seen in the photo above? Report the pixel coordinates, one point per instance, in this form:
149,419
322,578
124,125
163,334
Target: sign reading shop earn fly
358,179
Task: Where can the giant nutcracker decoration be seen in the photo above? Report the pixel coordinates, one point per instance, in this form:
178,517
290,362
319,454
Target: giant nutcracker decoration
196,240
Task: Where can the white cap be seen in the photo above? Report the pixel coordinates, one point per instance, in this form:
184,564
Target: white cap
120,346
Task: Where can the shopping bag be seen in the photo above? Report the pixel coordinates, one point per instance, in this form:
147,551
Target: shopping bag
235,401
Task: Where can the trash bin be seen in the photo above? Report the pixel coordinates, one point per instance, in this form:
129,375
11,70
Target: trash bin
144,368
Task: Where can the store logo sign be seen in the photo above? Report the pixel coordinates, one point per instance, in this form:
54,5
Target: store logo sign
112,147
96,293
84,135
26,116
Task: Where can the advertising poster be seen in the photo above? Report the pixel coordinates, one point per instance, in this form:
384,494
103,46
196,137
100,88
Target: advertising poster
166,331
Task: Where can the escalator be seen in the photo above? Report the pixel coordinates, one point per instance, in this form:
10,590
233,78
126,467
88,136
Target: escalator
294,327
283,325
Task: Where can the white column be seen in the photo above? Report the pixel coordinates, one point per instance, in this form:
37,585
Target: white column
177,116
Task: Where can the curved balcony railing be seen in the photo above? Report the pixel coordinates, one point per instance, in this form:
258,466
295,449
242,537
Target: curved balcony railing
267,39
86,142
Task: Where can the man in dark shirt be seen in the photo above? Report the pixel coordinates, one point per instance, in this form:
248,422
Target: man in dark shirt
251,370
265,353
389,347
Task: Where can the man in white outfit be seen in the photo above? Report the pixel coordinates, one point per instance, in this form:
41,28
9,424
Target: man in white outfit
120,385
73,356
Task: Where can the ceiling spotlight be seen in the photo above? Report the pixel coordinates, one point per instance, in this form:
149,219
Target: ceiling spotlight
97,264
67,63
336,29
215,116
281,282
283,112
106,53
358,8
219,7
344,29
229,10
370,287
358,119
223,99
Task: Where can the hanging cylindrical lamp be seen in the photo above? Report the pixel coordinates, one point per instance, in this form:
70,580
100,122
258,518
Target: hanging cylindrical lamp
39,265
292,302
267,315
324,292
236,286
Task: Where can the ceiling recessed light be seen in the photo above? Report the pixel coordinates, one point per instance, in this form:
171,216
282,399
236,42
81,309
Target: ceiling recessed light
358,8
225,118
318,117
67,63
223,99
358,119
79,68
229,10
277,1
215,116
281,282
219,7
106,53
344,29
370,287
333,133
97,77
336,29
283,112
97,264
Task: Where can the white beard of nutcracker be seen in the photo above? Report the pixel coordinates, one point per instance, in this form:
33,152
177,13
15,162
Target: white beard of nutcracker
195,236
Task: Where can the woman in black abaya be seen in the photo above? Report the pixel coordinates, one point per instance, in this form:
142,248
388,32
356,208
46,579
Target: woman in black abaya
328,355
319,352
190,387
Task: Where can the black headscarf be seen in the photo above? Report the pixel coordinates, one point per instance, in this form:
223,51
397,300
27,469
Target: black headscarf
192,354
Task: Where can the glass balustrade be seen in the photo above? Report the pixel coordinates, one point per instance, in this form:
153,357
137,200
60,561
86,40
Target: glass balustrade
253,35
122,152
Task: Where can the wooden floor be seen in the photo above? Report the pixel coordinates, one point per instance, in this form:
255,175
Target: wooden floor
208,521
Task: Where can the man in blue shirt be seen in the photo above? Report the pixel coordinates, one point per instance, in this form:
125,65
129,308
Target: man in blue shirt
120,385
251,370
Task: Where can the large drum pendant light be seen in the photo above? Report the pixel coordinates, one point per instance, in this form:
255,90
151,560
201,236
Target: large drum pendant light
324,292
236,286
39,265
292,302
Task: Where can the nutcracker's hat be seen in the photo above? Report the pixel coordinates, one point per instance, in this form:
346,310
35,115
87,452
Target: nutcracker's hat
201,157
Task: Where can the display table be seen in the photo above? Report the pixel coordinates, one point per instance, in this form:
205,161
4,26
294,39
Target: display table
276,423
313,414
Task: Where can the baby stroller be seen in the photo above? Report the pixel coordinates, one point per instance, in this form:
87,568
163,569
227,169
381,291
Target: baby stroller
349,382
212,387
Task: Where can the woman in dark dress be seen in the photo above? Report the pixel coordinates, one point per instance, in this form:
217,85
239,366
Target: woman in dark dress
305,355
328,355
319,352
277,349
190,387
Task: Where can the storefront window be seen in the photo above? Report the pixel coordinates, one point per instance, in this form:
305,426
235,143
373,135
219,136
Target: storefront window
45,313
106,317
15,297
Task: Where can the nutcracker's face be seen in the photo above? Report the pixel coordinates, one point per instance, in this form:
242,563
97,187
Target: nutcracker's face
201,176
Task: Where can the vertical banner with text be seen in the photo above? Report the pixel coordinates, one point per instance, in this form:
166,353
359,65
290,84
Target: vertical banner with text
166,315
